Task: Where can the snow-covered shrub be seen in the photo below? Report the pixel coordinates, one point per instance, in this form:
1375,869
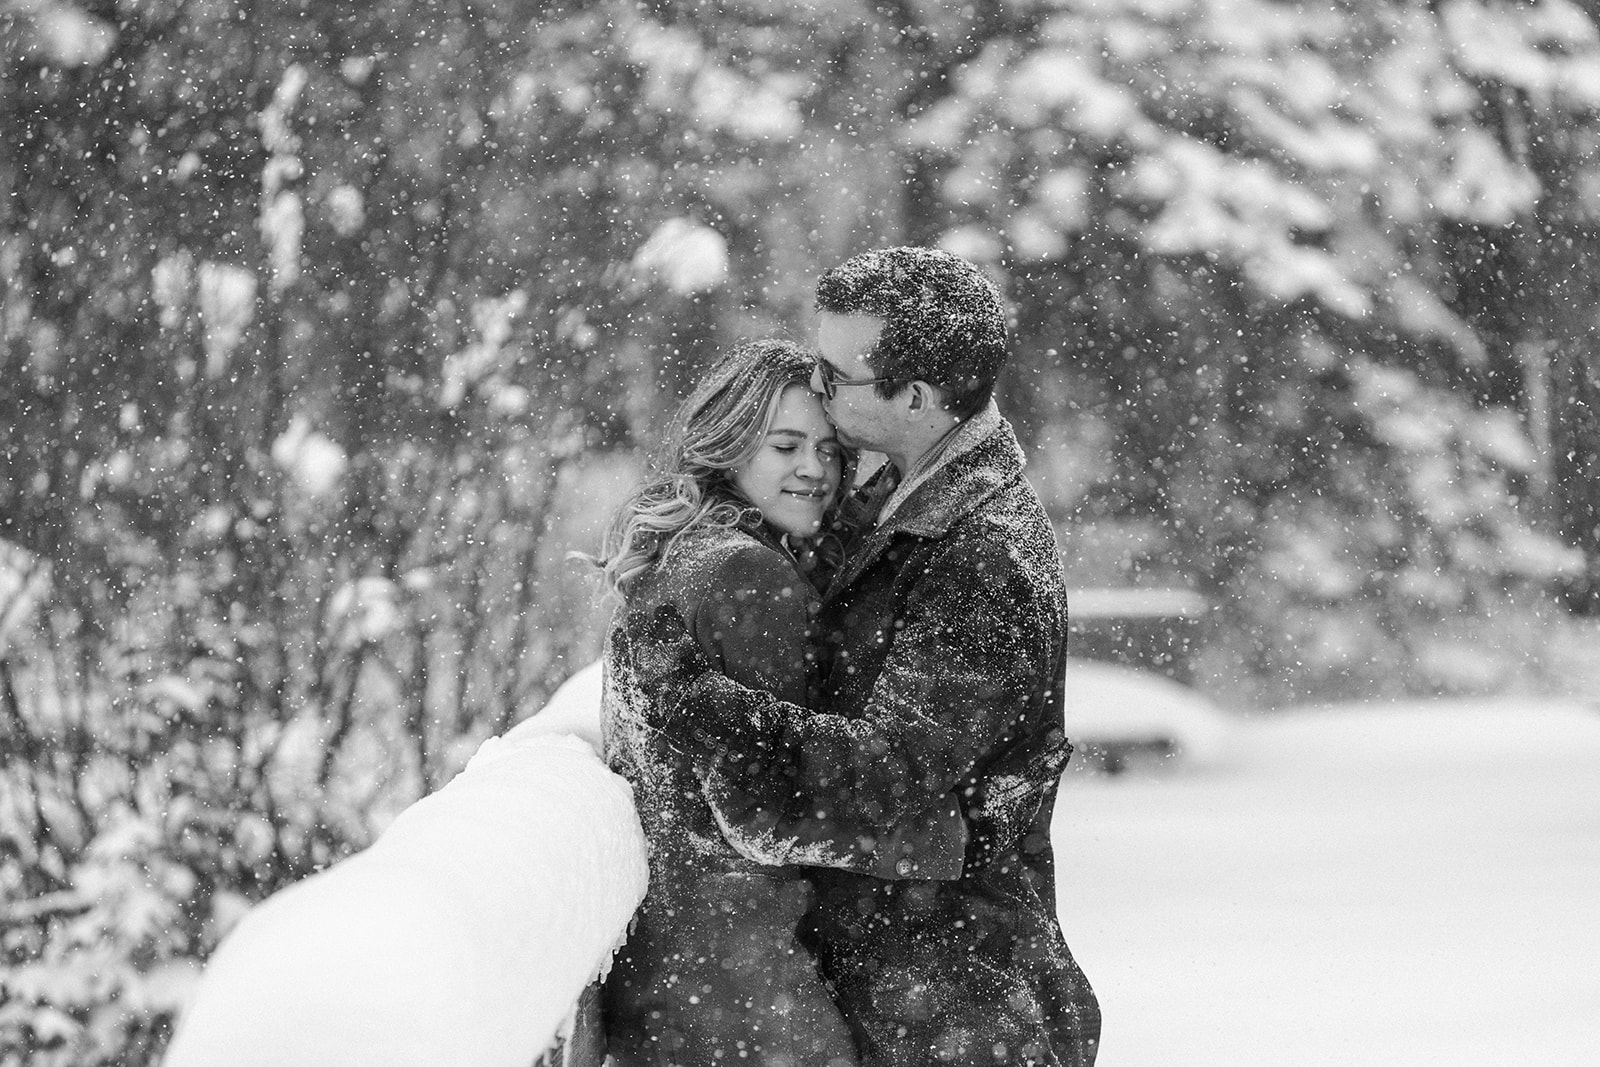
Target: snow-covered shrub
301,364
1404,562
1219,221
158,779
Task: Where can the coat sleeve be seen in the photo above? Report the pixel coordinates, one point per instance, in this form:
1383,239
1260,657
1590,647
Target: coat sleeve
755,625
753,622
973,647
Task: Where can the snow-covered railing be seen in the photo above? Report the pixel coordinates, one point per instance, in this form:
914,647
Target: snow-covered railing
463,935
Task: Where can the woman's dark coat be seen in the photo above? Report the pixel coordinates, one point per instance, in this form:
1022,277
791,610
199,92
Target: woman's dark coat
712,963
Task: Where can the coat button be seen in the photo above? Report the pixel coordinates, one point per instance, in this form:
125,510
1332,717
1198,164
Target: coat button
904,868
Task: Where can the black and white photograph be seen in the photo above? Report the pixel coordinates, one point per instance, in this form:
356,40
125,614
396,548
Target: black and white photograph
832,533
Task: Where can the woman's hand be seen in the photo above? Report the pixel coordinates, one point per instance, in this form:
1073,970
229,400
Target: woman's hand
667,663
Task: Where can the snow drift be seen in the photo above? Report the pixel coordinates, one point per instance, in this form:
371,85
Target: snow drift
464,935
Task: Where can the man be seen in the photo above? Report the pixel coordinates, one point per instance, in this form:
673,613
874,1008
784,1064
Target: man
946,631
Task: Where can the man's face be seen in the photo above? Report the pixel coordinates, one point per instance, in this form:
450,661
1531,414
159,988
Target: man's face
863,418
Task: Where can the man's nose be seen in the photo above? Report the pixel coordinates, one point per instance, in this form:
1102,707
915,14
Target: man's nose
816,380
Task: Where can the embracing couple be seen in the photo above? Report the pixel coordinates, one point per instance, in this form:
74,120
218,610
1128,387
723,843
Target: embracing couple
841,711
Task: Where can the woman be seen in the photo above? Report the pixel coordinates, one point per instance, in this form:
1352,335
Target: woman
712,971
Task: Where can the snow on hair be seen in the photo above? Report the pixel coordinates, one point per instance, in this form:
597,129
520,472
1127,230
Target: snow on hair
944,322
717,429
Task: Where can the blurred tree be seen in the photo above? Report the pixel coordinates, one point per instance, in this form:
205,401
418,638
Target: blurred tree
1215,219
311,317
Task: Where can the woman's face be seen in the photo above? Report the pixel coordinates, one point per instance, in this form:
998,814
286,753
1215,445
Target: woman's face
795,474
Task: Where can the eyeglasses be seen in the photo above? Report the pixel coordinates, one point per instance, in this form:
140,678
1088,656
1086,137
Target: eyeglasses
831,378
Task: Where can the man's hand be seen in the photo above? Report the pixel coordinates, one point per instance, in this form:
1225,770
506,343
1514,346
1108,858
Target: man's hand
1000,812
696,709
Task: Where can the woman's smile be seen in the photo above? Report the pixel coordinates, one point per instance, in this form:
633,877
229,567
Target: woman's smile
796,470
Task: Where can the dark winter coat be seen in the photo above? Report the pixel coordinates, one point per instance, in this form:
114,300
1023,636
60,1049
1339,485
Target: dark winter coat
712,962
947,626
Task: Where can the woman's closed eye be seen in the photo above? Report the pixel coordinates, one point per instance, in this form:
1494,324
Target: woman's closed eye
827,449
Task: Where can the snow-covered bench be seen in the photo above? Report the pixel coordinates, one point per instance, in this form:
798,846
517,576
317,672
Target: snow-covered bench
1154,629
1120,717
464,935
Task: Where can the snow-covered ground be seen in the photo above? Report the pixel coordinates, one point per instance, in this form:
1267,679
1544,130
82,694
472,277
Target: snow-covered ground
1397,885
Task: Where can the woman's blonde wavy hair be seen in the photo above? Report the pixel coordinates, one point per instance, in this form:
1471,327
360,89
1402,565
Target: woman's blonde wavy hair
718,429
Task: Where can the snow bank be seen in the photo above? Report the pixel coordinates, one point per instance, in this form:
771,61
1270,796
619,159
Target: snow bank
464,935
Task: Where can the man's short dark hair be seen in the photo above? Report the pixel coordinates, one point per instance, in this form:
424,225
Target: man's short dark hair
943,320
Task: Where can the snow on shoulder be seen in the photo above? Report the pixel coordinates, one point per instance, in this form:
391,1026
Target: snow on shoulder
464,935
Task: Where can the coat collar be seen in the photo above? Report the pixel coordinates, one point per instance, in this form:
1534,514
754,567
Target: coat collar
750,522
962,438
980,459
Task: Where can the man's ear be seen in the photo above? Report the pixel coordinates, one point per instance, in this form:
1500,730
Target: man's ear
923,397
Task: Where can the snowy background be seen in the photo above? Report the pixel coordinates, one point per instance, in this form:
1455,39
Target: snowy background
326,332
1402,884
